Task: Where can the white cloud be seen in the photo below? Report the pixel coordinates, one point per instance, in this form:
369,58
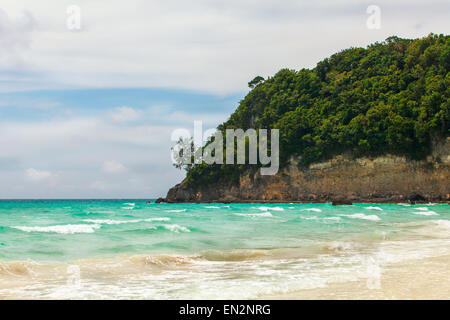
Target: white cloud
124,114
113,167
15,39
206,45
38,175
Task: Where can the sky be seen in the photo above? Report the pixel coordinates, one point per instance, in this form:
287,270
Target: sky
90,91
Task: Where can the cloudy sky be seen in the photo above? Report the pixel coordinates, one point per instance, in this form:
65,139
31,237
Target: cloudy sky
88,112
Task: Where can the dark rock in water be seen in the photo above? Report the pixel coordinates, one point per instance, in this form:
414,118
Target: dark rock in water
341,202
160,200
417,198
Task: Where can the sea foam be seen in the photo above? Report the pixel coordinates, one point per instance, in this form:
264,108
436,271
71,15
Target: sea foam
176,228
271,208
312,209
374,208
371,217
265,214
426,213
62,229
112,222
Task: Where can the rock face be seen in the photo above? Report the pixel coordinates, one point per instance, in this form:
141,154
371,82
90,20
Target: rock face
381,179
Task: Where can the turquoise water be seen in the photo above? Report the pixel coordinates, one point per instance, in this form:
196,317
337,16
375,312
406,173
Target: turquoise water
280,239
66,230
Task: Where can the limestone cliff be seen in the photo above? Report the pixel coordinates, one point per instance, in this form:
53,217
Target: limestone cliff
381,179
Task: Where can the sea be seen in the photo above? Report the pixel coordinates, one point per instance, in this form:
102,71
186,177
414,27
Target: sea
138,249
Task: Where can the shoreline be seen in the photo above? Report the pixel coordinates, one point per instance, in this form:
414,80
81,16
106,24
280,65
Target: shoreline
418,279
348,202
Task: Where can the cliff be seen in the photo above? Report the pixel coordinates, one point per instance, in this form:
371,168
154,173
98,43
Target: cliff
366,124
380,179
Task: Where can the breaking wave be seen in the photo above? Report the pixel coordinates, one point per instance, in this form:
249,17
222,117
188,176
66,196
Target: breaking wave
113,222
271,208
62,229
371,217
312,209
265,214
374,208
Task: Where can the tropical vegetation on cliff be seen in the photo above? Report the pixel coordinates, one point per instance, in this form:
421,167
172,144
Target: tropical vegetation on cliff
392,97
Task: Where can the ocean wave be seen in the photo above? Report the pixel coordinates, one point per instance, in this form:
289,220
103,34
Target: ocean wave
16,268
338,246
62,229
312,209
374,208
332,218
271,208
265,214
176,228
178,210
100,221
130,204
113,222
310,218
155,228
371,217
212,207
234,255
426,213
161,260
157,219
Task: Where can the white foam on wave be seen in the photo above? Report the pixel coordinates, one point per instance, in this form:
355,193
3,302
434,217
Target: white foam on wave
130,204
374,208
310,218
113,222
176,228
157,219
333,218
423,211
312,209
62,229
426,213
212,207
100,221
271,208
371,217
265,214
179,210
